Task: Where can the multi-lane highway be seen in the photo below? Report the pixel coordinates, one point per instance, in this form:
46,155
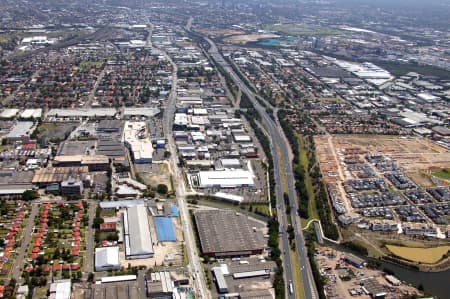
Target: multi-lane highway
280,152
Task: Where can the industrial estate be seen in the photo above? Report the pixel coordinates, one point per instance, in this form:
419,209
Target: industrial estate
224,149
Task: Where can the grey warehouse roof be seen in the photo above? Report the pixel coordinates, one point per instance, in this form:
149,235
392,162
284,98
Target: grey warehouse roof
138,111
21,128
120,204
81,112
137,232
225,231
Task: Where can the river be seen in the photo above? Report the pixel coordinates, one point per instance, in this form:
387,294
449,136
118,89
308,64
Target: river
435,283
275,42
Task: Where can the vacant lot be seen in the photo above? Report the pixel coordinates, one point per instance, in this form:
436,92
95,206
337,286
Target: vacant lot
246,38
442,174
155,174
416,156
54,132
302,29
219,32
420,255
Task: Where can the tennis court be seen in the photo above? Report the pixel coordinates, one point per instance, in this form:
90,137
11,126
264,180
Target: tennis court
164,229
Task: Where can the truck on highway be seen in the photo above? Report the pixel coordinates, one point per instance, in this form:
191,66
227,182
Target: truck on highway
291,287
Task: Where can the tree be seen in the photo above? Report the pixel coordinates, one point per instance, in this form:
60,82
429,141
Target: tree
162,189
91,277
149,193
98,221
56,254
113,236
29,195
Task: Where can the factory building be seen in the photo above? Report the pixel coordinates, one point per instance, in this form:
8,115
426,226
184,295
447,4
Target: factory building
61,289
19,130
373,288
55,175
113,149
160,285
221,283
107,258
226,233
138,240
135,137
93,162
109,126
31,113
355,261
225,179
81,113
71,187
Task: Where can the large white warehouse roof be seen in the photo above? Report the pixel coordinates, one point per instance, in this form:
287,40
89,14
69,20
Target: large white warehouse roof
134,136
225,179
106,258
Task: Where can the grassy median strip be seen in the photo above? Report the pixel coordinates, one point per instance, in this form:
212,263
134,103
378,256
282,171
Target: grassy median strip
284,184
298,282
304,163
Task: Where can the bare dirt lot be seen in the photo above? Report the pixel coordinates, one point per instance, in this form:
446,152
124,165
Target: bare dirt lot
246,38
155,174
219,32
416,156
421,255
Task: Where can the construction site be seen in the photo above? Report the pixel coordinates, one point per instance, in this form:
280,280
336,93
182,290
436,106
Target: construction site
382,190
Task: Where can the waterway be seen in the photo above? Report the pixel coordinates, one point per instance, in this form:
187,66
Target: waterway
275,42
435,283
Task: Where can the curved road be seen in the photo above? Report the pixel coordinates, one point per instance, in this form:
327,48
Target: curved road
279,148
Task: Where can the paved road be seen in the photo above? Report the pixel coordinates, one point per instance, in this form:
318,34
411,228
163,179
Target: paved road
91,95
148,43
26,238
89,261
195,267
189,23
279,148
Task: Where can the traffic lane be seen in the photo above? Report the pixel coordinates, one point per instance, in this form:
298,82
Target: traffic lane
274,133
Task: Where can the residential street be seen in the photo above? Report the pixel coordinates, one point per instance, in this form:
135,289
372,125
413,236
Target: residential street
26,238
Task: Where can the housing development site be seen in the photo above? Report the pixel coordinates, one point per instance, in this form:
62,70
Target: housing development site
387,183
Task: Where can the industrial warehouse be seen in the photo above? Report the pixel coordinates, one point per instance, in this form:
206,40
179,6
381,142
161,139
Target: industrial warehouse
138,240
225,179
230,277
107,258
136,139
226,233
